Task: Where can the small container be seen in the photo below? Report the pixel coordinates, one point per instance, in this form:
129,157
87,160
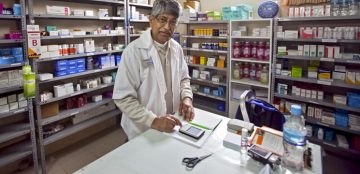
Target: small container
65,49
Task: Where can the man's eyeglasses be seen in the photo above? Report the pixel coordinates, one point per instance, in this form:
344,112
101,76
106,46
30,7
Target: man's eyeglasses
163,20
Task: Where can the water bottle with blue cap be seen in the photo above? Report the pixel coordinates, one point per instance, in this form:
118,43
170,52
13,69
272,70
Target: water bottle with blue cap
294,140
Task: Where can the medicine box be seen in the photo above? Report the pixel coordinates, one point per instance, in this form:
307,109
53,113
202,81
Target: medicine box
22,104
3,100
296,72
340,99
338,75
313,51
96,98
13,106
4,108
21,97
306,50
318,113
310,111
12,98
58,10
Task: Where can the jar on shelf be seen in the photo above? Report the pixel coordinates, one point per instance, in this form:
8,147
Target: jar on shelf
260,51
236,72
253,71
264,79
254,47
247,50
237,50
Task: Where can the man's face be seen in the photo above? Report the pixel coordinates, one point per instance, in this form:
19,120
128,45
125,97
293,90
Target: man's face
162,27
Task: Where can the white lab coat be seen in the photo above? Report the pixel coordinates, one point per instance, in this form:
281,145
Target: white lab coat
140,75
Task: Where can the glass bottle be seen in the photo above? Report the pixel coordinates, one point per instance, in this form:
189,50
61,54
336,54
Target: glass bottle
253,71
258,72
246,50
241,66
260,51
236,72
237,50
254,47
264,75
246,70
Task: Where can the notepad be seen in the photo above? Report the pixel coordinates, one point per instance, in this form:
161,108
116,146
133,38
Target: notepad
203,120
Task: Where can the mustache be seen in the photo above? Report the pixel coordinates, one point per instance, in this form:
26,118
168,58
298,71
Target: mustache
165,32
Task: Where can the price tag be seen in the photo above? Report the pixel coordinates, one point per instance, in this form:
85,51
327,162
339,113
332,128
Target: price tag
353,61
104,18
15,64
329,40
117,18
322,82
90,54
70,36
327,59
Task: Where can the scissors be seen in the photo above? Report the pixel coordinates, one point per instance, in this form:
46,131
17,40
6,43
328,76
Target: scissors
192,162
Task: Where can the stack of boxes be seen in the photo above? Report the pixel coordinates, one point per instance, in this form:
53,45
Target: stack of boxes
11,55
68,67
10,78
241,12
107,61
12,102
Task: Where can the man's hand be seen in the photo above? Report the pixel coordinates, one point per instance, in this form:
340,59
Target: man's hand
165,123
186,109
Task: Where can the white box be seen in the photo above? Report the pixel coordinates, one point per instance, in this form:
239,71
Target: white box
58,10
4,108
312,50
310,111
351,77
337,52
320,32
340,68
12,98
291,12
321,51
298,92
69,88
340,99
4,79
308,93
78,12
338,75
44,55
318,113
51,48
54,54
320,95
33,28
89,13
297,12
330,52
357,78
21,97
44,49
303,92
45,76
96,98
306,50
23,104
54,33
291,34
59,90
292,52
3,100
13,106
64,32
300,50
196,74
313,94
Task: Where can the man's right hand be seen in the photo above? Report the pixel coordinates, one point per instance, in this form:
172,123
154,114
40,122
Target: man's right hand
165,123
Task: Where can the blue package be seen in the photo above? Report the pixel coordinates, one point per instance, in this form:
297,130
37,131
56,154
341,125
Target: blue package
341,118
112,61
80,61
18,58
221,90
329,135
71,67
60,73
61,68
117,59
353,99
72,62
215,93
102,62
16,51
5,52
62,63
17,9
79,70
6,60
72,71
81,66
207,90
220,106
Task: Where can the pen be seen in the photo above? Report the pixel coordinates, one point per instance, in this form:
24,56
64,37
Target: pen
200,126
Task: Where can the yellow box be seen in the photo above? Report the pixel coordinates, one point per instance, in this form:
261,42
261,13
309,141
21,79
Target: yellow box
203,60
220,63
324,75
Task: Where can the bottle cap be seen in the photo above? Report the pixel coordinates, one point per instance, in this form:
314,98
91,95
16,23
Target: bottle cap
296,110
244,132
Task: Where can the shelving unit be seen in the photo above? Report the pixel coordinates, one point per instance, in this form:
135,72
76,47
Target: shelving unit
327,86
136,25
201,99
237,86
17,138
46,65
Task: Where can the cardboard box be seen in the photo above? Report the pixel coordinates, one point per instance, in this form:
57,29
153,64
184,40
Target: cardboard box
23,104
300,50
58,10
13,106
310,111
318,113
21,97
3,101
89,13
313,94
4,108
313,51
351,77
337,52
338,75
320,95
306,50
340,99
12,98
50,110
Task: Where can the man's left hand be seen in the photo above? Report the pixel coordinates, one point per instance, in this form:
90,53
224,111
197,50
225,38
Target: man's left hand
186,109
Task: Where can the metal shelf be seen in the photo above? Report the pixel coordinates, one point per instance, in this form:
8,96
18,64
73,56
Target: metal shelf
11,41
68,113
319,59
331,146
81,126
141,5
250,37
318,102
205,37
250,60
250,82
9,158
46,16
9,17
13,112
14,65
10,89
101,2
205,50
136,20
317,122
80,36
207,67
320,82
77,56
78,75
204,22
318,40
13,131
208,108
84,91
209,95
325,18
209,82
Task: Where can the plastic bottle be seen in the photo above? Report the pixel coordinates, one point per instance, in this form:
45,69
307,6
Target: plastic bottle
244,141
254,47
267,51
258,72
247,50
236,72
237,50
260,51
264,77
246,70
253,71
294,140
241,67
241,49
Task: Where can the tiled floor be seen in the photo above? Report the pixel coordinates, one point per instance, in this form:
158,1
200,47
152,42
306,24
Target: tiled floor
79,155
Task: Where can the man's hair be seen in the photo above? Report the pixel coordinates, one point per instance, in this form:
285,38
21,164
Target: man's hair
166,6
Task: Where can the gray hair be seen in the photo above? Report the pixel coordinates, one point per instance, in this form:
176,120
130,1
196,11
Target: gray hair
166,6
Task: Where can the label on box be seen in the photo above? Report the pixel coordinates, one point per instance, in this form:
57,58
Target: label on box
104,18
34,44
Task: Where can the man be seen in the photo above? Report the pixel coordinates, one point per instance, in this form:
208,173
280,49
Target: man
153,80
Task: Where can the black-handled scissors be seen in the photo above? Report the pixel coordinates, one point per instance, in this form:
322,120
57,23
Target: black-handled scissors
191,162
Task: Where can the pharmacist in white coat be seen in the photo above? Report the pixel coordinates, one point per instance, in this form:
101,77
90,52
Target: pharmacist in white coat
153,80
